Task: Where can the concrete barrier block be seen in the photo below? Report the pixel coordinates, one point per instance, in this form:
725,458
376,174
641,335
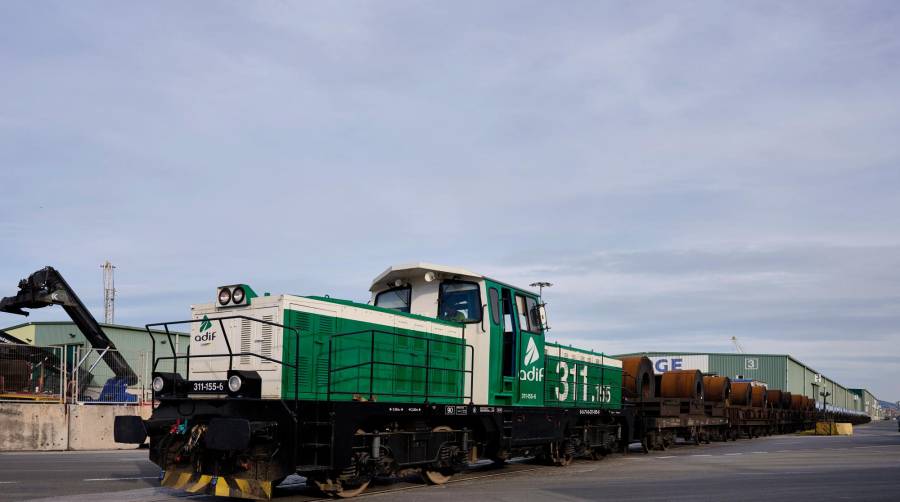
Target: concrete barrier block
834,429
91,426
33,426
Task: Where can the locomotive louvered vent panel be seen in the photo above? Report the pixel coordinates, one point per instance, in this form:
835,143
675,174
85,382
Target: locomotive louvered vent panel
246,337
302,321
322,369
325,325
266,339
305,372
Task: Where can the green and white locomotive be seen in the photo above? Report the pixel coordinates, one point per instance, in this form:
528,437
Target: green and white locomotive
441,368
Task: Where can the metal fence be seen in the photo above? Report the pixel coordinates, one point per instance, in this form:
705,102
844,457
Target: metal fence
96,377
32,374
81,375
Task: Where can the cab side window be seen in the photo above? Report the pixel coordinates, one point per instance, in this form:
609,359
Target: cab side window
495,305
396,298
529,318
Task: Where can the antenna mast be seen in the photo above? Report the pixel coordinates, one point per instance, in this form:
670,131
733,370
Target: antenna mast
737,345
109,292
540,285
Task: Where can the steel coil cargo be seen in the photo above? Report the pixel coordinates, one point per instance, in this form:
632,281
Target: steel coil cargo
716,388
797,402
740,393
637,377
774,398
685,384
758,396
786,400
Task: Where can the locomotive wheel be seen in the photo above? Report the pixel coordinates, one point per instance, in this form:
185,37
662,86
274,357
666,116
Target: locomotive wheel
435,474
562,454
341,489
350,483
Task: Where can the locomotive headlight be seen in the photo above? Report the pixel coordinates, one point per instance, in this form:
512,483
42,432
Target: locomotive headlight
244,384
234,383
158,384
224,296
237,295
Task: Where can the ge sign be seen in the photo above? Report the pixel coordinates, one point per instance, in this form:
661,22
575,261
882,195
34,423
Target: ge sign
666,364
751,363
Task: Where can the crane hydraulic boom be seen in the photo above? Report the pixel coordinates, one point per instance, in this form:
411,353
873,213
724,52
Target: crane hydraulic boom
47,287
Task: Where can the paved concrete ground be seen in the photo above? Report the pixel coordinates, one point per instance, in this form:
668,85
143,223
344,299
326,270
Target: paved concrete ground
865,466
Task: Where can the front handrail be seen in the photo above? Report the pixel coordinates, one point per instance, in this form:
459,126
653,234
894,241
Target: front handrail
231,354
372,362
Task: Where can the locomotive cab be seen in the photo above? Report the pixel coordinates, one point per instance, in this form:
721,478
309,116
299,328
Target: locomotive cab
504,324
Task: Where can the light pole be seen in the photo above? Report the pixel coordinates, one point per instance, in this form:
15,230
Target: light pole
825,395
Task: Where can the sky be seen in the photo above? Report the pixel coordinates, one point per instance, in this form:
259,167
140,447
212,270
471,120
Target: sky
681,173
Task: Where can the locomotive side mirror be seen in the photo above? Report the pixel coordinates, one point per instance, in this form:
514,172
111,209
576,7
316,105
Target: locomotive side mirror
539,316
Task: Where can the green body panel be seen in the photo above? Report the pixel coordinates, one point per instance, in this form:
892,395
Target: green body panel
582,384
370,360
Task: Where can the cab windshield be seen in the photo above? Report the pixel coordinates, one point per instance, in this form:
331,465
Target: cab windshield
459,301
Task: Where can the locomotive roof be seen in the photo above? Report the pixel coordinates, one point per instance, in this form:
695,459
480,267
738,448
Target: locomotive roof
407,270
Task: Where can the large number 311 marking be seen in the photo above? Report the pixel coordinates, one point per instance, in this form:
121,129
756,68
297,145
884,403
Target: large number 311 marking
604,392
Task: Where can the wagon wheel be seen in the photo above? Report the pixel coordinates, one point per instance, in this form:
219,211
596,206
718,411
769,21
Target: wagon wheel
351,482
598,453
436,474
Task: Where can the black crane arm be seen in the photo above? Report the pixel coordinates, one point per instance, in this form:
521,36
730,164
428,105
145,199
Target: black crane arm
47,287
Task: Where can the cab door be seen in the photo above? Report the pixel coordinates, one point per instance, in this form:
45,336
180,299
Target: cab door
509,344
530,353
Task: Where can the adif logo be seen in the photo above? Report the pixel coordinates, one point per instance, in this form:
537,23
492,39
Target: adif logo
206,335
534,374
531,353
